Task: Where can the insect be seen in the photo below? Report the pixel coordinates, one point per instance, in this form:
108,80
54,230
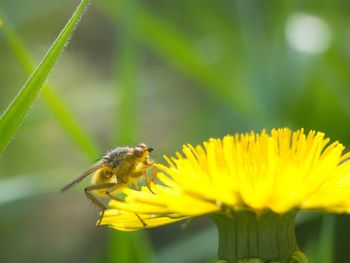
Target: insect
114,171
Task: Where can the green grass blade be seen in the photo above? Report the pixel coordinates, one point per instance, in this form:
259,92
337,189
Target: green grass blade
71,126
127,247
125,68
17,47
52,99
180,50
15,113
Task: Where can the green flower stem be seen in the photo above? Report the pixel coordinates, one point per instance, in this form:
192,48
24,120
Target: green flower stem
245,236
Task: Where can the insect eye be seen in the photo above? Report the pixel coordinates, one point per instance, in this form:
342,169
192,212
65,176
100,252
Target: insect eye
138,152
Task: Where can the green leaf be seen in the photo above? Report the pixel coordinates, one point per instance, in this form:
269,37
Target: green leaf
53,100
15,113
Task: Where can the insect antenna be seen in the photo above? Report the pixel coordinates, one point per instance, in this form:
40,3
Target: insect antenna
81,177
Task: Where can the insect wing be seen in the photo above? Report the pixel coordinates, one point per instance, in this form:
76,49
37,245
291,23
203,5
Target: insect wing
81,177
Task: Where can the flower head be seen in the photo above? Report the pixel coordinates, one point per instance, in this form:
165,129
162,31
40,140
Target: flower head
277,172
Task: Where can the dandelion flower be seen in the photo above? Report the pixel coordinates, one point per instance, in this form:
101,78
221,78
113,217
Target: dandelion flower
251,184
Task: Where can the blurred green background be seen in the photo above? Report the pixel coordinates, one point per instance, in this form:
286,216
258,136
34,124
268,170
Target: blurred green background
165,73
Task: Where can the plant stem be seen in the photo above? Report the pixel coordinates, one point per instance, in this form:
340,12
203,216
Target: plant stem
245,236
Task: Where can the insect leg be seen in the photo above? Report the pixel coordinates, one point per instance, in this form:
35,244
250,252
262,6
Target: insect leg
142,222
114,188
154,174
136,186
94,200
148,182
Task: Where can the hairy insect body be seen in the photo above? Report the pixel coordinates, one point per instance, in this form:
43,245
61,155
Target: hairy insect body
103,176
118,168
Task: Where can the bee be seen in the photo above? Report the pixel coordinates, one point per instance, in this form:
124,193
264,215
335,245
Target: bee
114,171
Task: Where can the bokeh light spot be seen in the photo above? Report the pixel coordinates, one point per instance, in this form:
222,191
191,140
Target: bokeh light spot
308,33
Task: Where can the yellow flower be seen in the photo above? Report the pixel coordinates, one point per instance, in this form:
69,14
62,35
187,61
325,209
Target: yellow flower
278,172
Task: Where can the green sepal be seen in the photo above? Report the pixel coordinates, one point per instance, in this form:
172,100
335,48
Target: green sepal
249,237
